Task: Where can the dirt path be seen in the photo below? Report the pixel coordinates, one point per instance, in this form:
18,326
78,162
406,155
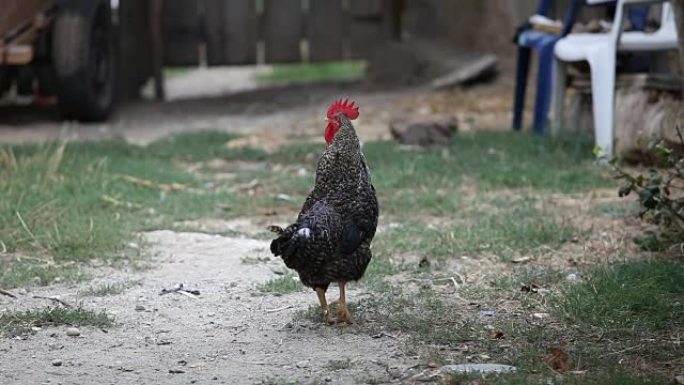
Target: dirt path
225,336
292,110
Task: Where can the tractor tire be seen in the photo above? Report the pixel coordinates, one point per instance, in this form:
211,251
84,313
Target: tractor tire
83,59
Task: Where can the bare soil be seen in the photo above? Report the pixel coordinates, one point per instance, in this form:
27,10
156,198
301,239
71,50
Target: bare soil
229,334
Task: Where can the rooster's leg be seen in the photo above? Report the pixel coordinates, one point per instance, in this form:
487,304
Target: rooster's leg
324,304
343,314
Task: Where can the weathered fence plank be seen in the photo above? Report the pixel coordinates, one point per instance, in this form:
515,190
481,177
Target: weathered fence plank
365,27
231,27
134,42
282,25
325,30
180,24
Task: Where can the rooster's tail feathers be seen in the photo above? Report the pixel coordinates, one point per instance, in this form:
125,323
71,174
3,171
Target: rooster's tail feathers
276,229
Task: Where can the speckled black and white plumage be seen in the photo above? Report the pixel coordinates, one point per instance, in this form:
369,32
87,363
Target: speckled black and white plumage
330,242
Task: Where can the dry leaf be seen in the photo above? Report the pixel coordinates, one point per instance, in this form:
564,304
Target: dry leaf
496,335
557,360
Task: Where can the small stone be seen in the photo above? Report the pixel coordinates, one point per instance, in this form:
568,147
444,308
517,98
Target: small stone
478,368
57,362
283,197
327,379
302,364
521,260
73,332
139,308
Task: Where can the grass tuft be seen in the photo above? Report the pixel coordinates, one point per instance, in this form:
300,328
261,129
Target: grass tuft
643,294
314,72
18,274
339,364
12,324
84,200
107,289
287,283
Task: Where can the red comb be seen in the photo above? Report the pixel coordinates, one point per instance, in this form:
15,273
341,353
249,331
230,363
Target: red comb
346,107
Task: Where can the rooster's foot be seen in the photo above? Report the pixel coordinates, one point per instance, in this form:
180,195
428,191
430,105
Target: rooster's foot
343,315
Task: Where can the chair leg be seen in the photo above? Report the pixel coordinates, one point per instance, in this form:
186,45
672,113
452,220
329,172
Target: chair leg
603,99
558,96
542,102
522,71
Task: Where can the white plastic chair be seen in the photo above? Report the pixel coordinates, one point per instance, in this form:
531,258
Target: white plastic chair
600,50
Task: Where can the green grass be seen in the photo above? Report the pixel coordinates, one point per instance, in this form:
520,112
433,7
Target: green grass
107,289
643,295
18,274
287,283
314,72
429,181
521,228
613,377
74,202
339,364
16,323
617,209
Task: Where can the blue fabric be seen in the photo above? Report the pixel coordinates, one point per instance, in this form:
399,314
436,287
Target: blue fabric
537,39
542,42
638,16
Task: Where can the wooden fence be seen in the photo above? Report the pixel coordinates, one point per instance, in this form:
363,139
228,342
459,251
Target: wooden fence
157,33
272,31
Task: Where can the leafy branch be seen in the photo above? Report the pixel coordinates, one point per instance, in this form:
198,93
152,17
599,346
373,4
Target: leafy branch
660,191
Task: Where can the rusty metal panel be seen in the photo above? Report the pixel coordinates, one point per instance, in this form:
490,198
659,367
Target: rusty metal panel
15,12
180,25
282,26
325,30
231,31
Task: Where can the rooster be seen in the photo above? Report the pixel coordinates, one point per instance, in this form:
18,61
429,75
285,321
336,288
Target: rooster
330,241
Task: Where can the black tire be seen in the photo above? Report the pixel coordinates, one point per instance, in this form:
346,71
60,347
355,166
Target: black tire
83,59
